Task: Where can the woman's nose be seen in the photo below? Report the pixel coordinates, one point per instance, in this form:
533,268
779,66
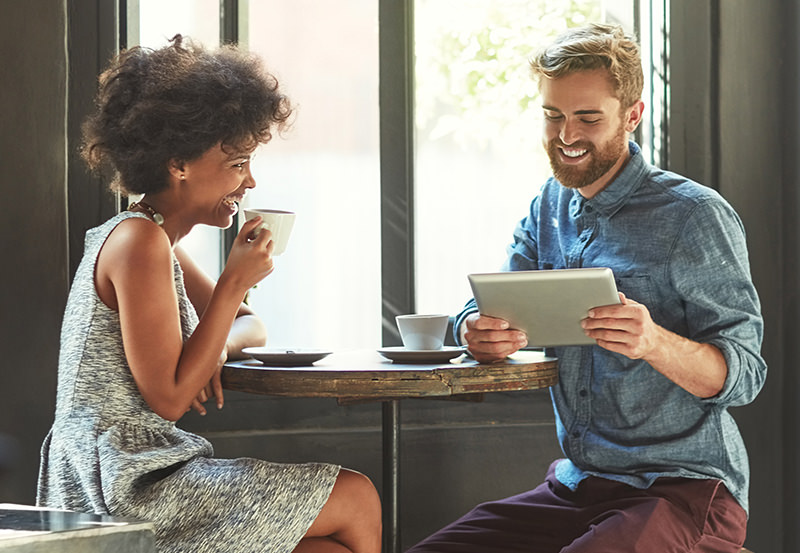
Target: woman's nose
250,181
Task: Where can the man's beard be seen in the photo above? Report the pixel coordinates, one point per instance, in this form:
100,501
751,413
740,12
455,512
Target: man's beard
601,160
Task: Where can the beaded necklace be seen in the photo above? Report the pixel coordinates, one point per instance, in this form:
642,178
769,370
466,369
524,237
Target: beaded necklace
154,215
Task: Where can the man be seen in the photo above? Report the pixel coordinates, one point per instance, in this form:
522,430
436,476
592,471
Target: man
654,461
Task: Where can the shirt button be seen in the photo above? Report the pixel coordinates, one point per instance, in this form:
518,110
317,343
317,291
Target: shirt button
583,393
576,434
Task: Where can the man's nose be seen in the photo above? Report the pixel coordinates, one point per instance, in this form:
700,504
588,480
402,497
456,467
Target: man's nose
568,132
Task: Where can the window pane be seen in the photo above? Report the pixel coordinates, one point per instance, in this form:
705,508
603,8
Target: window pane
325,290
479,157
656,86
158,21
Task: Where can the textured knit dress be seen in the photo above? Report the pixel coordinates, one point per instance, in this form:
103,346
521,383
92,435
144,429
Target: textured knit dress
108,452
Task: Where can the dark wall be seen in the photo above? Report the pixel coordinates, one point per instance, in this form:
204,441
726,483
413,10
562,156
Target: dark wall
751,176
33,241
787,63
734,125
731,127
92,39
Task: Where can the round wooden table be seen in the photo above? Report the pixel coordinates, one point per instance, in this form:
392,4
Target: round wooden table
357,376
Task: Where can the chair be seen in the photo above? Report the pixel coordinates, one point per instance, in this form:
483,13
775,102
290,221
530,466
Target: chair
29,529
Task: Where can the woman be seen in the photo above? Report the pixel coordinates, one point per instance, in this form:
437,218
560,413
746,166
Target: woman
179,126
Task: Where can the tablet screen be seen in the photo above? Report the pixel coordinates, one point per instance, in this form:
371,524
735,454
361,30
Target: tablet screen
547,305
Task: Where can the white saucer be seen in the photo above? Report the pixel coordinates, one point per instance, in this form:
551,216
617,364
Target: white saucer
276,357
400,354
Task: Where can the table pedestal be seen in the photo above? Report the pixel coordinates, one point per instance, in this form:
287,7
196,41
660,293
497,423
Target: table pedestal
391,476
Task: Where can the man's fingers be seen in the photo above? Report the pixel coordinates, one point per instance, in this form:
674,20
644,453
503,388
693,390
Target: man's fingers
509,336
489,352
482,322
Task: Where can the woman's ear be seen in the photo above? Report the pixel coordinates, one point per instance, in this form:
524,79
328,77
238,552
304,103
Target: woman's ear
177,169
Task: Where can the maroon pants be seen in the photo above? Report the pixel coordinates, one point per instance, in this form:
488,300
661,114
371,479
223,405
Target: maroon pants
674,515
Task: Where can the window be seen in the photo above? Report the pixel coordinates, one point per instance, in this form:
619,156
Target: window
152,23
477,156
325,290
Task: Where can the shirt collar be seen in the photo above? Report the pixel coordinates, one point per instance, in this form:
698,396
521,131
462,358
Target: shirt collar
611,198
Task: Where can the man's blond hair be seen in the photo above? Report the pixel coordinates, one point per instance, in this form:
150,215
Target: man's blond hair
596,46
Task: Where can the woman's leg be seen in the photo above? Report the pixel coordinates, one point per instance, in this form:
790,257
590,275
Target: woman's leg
320,545
349,520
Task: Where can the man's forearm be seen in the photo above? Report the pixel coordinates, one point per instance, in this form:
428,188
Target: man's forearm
698,368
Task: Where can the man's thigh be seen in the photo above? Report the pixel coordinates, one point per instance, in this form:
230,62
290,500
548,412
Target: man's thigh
675,515
697,516
538,520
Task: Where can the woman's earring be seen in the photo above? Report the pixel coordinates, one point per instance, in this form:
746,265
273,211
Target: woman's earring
183,177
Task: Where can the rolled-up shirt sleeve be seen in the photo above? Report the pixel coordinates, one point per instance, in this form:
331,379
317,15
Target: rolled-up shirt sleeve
470,308
710,270
522,254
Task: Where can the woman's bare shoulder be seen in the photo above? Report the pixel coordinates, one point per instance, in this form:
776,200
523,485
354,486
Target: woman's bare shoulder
137,240
134,253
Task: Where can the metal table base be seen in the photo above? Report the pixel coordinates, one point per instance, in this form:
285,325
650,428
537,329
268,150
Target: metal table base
391,476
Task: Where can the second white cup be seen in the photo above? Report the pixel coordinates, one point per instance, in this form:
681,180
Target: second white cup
422,332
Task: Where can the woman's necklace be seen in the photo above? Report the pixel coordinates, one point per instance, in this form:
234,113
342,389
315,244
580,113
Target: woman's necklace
154,215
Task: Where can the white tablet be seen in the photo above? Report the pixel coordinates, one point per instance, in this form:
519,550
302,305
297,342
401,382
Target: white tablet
547,305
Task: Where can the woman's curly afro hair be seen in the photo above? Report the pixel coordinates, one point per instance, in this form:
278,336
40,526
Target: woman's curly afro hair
175,103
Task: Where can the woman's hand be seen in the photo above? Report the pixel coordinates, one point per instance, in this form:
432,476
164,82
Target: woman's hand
250,260
213,388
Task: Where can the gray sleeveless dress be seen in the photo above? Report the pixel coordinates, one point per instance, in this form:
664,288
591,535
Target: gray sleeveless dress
108,452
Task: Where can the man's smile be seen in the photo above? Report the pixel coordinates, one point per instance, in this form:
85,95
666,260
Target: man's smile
573,153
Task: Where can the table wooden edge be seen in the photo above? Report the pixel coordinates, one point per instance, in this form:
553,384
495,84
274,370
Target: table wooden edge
396,381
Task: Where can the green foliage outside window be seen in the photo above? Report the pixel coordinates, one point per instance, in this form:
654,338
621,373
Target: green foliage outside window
472,75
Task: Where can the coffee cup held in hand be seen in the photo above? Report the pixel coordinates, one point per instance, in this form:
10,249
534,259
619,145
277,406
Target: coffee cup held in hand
278,222
422,332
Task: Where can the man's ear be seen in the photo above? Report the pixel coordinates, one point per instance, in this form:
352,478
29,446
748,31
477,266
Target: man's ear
633,116
177,169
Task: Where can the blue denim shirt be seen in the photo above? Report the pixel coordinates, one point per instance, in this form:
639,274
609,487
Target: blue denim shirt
678,248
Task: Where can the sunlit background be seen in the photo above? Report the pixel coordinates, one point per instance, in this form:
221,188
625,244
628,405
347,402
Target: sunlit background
478,156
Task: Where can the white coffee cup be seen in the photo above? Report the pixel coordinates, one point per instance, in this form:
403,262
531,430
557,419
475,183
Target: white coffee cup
278,222
422,332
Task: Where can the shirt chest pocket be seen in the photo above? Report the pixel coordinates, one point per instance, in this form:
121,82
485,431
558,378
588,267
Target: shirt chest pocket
641,289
